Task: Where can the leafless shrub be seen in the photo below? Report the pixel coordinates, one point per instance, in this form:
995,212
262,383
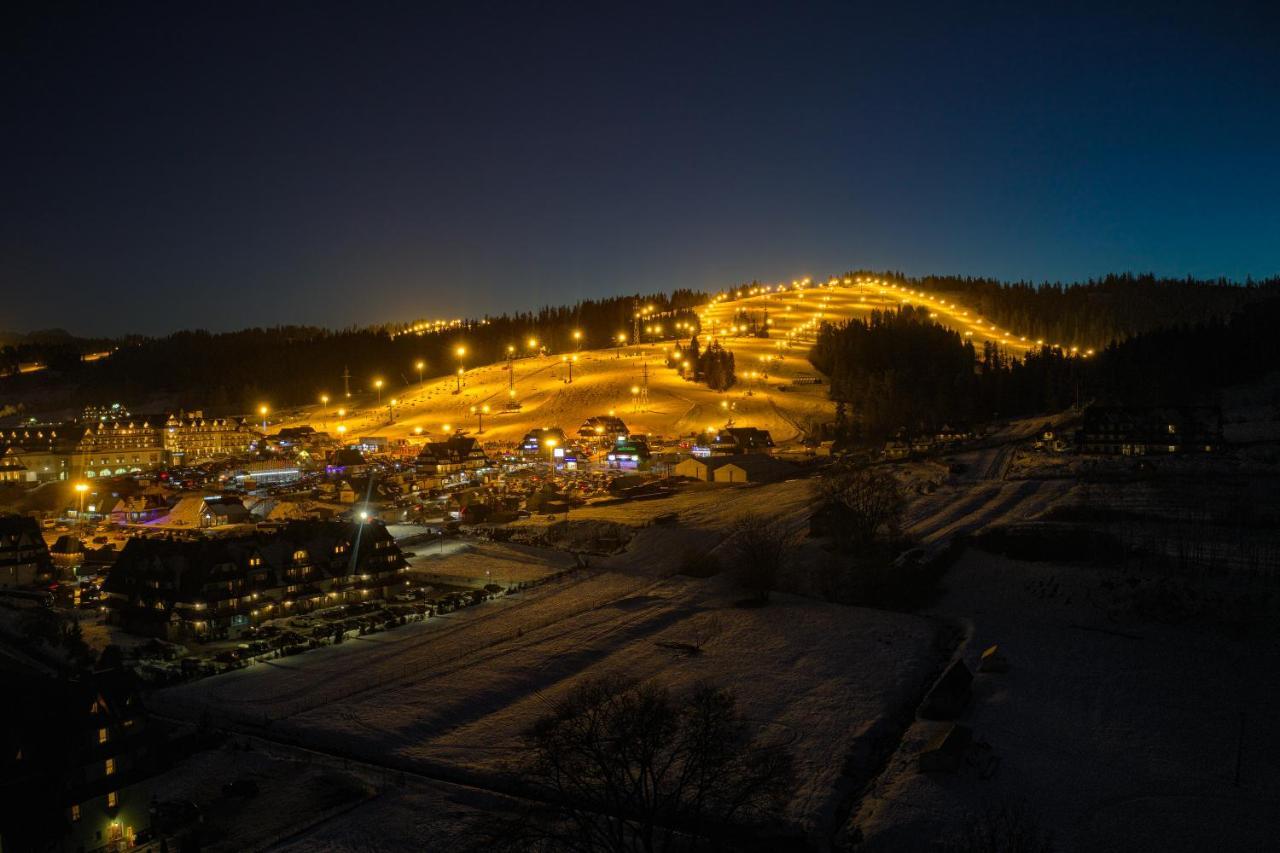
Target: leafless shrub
625,766
1008,828
759,545
868,501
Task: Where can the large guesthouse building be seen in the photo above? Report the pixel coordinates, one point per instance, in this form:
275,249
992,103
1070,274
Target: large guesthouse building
108,447
218,587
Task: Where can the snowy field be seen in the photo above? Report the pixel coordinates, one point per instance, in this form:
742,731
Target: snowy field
451,696
477,563
1120,735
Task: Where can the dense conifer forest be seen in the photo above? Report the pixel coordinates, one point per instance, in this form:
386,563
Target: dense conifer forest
901,372
1096,312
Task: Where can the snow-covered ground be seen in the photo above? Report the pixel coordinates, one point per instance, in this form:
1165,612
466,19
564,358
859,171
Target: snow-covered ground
476,563
451,696
1120,735
294,794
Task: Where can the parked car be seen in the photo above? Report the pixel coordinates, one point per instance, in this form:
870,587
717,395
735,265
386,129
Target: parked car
172,816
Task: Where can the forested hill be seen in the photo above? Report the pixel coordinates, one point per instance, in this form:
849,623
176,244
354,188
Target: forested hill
292,365
900,370
1097,312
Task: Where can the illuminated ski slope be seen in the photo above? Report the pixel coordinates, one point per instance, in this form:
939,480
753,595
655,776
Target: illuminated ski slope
603,382
613,380
796,310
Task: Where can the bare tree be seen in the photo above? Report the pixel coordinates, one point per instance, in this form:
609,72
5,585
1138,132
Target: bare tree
759,545
706,630
624,766
868,501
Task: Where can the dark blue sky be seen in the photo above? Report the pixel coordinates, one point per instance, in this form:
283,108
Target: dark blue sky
250,164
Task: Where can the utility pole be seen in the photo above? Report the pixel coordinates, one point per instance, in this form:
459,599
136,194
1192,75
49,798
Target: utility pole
346,381
635,323
644,385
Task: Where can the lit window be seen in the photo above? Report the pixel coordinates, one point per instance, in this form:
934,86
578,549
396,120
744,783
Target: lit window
113,799
75,812
102,735
111,766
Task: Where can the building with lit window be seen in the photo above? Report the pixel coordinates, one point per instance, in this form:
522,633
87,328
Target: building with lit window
603,428
735,440
457,456
24,555
190,438
543,442
219,587
38,453
1151,430
103,446
115,448
76,763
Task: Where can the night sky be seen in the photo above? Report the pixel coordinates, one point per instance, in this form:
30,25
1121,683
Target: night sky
254,164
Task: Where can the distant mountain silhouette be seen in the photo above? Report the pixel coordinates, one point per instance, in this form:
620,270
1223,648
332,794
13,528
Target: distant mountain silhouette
40,336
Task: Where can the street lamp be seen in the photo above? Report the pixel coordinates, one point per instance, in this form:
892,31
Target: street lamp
391,410
81,488
377,383
533,344
551,449
622,341
458,390
480,412
577,338
461,353
421,365
570,362
262,410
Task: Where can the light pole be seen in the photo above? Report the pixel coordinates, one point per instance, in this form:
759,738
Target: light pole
622,341
421,365
577,338
569,360
480,412
81,488
262,410
391,410
377,384
461,353
551,450
533,345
